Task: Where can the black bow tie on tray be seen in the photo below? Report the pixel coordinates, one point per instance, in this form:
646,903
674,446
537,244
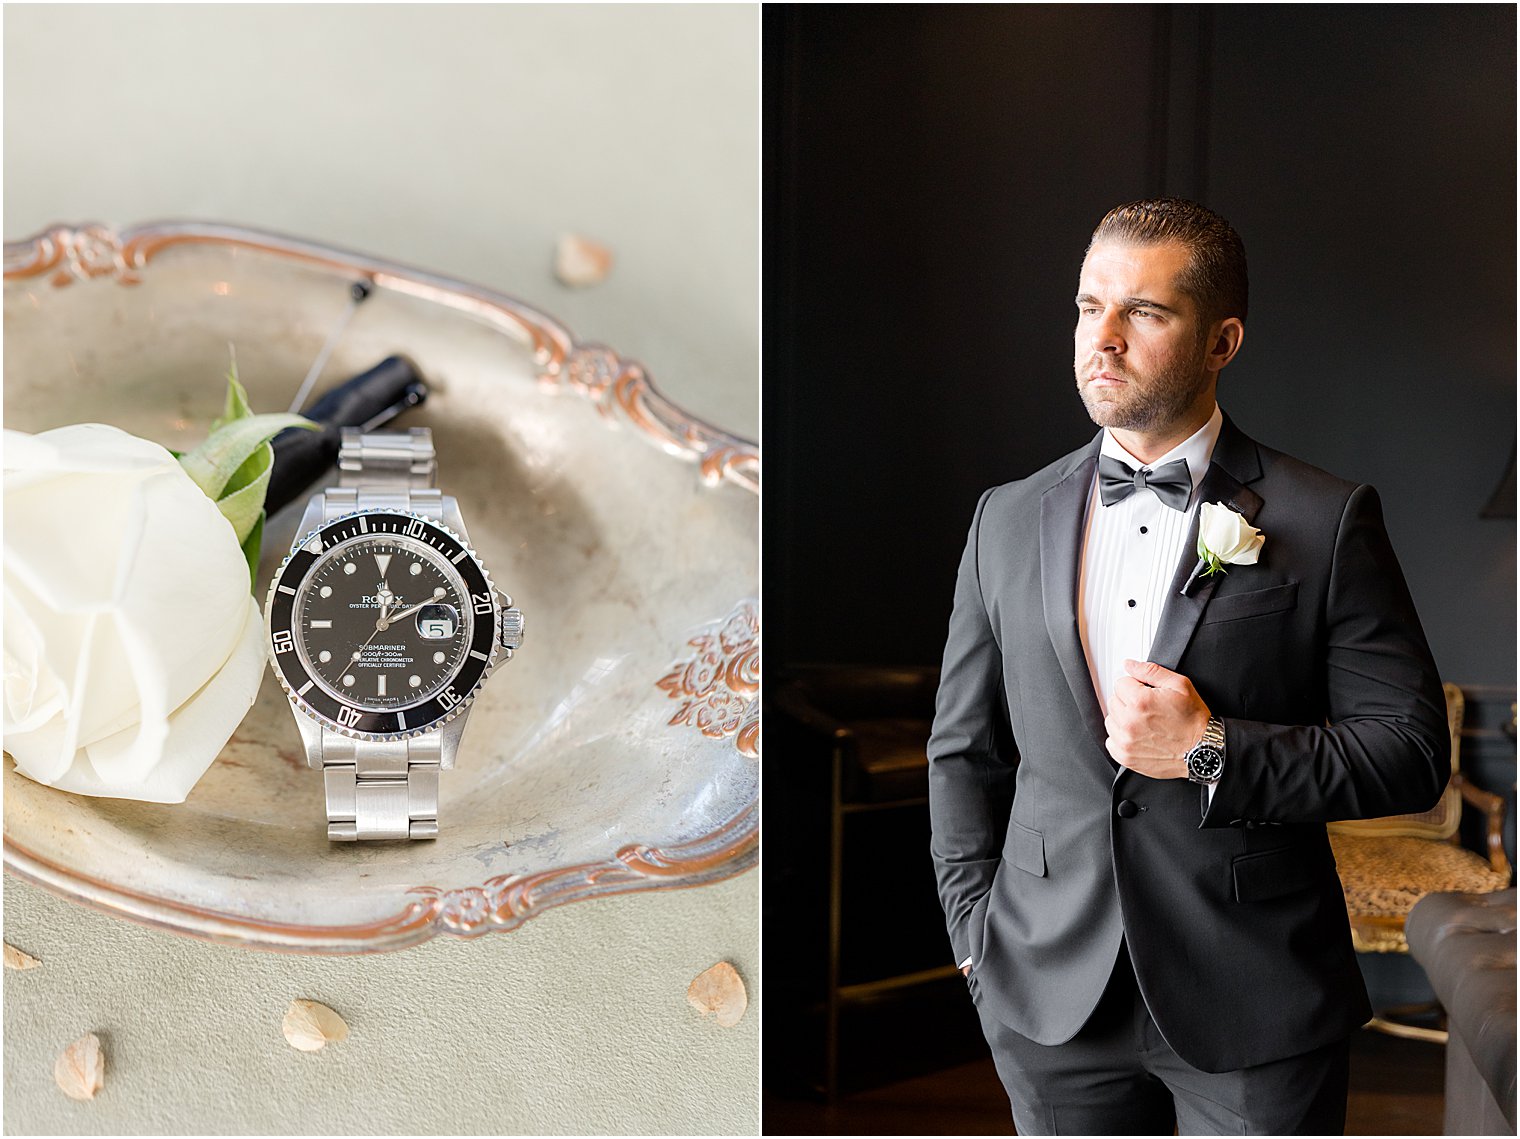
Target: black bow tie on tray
367,401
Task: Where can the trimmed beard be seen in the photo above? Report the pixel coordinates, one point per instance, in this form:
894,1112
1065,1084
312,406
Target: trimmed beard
1166,399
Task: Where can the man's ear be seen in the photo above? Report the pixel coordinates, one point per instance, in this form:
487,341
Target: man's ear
1225,339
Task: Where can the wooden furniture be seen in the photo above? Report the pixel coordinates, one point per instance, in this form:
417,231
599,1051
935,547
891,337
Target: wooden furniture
872,725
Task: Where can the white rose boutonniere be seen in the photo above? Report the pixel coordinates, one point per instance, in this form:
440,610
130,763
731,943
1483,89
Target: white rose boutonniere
133,646
1224,538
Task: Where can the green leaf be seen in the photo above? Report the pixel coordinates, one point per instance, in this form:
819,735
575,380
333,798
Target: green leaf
233,465
255,465
251,545
242,503
237,406
213,464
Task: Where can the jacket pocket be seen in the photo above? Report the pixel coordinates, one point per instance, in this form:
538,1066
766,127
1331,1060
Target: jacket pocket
1028,850
1235,606
1273,873
976,932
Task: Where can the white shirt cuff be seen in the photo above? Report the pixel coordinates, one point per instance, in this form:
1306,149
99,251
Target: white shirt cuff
964,963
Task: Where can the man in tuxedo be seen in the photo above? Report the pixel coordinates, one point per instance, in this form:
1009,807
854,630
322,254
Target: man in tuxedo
1137,741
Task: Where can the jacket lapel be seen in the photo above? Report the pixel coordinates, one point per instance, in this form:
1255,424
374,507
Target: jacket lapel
1236,462
1063,511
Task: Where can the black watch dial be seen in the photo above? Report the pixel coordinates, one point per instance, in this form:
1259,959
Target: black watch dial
382,624
1205,763
382,621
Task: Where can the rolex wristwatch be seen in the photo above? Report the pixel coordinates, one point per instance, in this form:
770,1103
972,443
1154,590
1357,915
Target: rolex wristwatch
1205,759
384,625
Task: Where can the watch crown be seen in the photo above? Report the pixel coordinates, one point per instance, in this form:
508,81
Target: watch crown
511,628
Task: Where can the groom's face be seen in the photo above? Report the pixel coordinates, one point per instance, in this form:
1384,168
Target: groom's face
1140,341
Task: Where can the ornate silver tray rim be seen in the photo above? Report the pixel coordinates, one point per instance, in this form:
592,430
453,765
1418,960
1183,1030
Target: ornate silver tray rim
619,388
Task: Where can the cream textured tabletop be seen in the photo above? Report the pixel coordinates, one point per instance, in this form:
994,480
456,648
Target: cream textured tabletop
462,140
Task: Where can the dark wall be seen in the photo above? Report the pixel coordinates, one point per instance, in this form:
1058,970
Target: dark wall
932,177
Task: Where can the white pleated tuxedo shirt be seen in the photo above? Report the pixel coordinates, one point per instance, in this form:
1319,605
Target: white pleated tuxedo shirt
1129,552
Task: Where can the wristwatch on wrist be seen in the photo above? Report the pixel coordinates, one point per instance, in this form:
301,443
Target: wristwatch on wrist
1205,759
383,625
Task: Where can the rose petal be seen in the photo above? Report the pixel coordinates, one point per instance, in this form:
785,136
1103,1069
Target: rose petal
196,733
1249,556
42,743
82,447
579,261
719,991
41,754
183,605
33,694
16,959
51,545
310,1026
80,1069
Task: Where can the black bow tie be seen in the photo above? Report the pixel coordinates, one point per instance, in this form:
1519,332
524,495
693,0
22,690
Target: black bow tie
1117,481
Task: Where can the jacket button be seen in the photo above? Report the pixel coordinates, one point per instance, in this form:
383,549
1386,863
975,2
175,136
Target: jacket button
1127,810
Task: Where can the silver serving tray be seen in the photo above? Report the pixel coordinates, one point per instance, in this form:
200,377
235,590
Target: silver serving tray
617,752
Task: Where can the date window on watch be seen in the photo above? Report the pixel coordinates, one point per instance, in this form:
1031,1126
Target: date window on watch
437,622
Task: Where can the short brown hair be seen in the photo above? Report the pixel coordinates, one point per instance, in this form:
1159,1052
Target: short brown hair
1215,276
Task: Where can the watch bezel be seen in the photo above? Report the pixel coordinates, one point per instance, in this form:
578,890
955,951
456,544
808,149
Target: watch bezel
307,694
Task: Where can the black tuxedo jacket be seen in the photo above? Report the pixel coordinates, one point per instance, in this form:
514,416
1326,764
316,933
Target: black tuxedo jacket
1048,852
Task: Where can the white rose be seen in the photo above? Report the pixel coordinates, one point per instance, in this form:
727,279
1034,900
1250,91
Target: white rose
133,647
1227,536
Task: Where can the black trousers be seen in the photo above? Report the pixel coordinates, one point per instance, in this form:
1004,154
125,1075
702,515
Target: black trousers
1117,1076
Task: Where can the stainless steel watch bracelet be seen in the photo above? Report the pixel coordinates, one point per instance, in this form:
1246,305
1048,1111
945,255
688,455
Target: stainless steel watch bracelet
1213,738
382,789
387,459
